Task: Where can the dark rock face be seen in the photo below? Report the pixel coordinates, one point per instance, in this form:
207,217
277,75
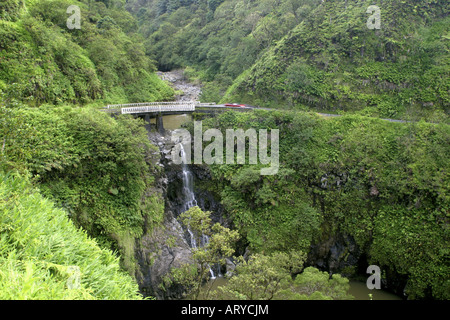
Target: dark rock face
396,282
335,253
165,246
339,253
206,200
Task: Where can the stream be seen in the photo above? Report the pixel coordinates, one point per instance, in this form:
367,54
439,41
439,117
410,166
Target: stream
186,91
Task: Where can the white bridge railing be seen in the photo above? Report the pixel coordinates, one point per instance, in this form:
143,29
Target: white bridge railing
159,108
144,104
146,107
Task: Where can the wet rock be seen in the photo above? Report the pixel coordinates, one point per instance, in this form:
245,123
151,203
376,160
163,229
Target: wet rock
158,252
164,247
335,254
167,246
187,91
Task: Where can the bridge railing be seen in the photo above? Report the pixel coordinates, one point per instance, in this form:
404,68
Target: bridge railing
146,107
159,108
145,104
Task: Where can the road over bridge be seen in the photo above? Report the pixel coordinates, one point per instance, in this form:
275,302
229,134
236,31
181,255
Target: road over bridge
157,110
167,108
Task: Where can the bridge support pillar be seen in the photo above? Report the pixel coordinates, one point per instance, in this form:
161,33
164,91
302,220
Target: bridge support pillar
160,124
148,125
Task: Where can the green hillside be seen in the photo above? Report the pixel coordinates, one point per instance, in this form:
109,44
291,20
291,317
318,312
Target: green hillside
333,62
308,54
43,61
94,167
385,184
218,39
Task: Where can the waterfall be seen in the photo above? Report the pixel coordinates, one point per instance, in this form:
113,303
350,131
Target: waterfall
188,184
190,201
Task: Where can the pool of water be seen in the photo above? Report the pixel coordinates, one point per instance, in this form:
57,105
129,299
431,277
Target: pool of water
360,291
174,122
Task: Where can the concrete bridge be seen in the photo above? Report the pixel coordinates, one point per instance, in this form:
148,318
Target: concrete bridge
157,110
170,107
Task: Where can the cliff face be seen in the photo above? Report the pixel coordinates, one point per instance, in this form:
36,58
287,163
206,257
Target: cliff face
159,251
164,246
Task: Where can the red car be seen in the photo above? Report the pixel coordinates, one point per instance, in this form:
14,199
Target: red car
235,105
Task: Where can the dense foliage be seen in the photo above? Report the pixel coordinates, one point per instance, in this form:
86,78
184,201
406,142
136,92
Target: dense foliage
219,38
386,184
44,256
95,167
43,61
270,277
275,276
298,53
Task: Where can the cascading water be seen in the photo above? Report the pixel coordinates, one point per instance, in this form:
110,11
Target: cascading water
190,201
188,184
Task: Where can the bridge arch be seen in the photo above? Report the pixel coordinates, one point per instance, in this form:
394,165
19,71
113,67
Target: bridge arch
148,110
